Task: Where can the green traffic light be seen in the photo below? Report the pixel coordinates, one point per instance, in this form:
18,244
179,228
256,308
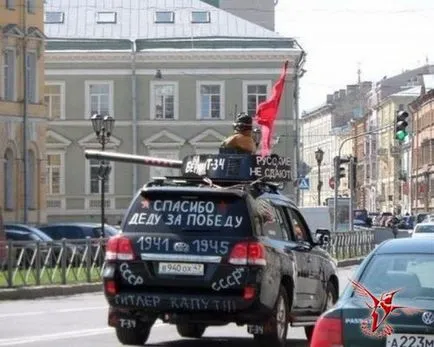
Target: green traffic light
401,135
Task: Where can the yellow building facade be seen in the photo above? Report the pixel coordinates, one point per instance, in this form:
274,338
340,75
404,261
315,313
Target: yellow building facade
22,49
387,154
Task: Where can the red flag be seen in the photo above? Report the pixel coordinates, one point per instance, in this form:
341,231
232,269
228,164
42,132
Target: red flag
266,112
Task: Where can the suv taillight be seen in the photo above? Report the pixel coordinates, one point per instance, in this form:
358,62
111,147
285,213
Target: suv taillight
327,333
248,253
119,248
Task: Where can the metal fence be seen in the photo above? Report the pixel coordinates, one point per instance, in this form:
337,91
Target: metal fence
346,245
65,262
24,263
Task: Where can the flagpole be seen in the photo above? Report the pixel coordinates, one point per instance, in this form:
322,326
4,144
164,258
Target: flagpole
298,74
297,137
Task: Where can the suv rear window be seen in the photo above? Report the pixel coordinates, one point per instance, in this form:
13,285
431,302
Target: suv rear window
185,212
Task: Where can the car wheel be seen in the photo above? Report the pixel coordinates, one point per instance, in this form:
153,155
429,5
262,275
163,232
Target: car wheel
135,336
193,331
331,298
277,326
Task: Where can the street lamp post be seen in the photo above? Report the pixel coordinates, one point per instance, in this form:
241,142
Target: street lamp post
103,127
319,156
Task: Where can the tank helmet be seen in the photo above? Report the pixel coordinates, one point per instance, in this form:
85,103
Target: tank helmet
243,122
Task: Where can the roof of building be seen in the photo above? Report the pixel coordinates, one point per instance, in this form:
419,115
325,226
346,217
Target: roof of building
150,19
315,111
392,85
413,91
428,81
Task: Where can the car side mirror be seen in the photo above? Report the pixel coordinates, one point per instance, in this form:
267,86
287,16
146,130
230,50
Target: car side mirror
323,237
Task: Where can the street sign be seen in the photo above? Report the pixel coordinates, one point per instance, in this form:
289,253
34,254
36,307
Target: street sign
332,183
303,183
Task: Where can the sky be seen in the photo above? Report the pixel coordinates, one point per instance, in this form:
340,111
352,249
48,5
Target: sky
382,37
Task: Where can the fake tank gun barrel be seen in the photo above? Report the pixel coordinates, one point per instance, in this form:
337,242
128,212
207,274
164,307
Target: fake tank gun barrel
133,159
226,167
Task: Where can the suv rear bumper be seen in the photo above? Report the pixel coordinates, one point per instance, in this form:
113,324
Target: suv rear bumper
172,303
172,308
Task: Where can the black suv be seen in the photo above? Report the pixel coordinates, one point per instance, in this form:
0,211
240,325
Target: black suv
198,255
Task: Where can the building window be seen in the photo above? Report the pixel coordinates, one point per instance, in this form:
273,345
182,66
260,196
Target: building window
32,180
161,171
200,17
164,100
32,65
164,17
31,5
54,96
94,183
9,180
99,98
55,179
210,97
106,17
54,17
9,73
10,4
254,93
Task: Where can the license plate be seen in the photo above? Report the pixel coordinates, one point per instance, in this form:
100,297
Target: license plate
181,269
255,329
410,340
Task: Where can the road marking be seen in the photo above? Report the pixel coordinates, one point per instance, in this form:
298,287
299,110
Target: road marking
63,335
57,336
67,310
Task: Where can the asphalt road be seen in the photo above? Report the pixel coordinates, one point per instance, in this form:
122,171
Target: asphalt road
81,321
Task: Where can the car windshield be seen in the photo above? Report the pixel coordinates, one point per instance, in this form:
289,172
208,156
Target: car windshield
411,274
184,212
429,228
360,214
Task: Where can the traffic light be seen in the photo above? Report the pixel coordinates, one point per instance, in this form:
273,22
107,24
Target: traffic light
340,171
401,132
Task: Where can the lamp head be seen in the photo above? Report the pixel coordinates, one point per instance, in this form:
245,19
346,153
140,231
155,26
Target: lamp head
319,155
97,120
109,123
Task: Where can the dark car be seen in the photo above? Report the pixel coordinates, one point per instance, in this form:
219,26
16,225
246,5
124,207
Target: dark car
407,222
24,248
390,301
77,234
40,235
420,217
196,255
77,231
72,254
362,218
